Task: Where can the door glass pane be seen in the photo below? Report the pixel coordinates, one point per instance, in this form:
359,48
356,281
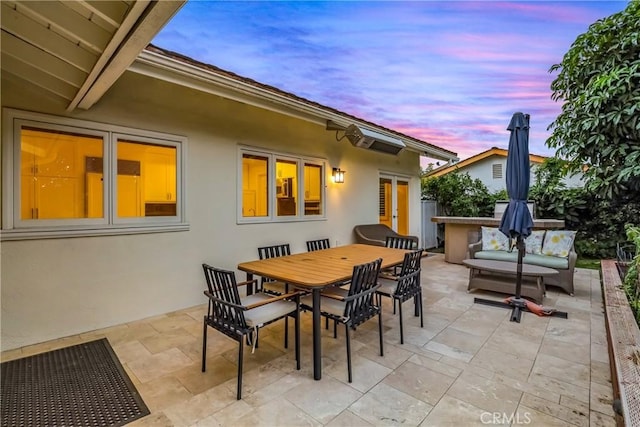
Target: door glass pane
255,200
55,182
312,189
385,202
402,193
146,183
286,187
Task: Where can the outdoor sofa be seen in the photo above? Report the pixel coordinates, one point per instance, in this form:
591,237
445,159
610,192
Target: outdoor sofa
546,248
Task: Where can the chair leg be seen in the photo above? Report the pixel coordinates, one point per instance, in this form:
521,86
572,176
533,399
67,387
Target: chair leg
420,303
326,323
204,345
286,332
335,329
394,306
240,354
346,328
297,332
380,332
401,330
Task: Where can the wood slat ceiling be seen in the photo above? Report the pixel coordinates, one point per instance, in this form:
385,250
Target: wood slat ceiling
76,49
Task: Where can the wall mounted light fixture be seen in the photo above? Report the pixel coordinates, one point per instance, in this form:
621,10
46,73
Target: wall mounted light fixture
338,175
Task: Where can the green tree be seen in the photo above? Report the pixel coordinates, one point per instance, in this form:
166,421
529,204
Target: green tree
459,195
599,82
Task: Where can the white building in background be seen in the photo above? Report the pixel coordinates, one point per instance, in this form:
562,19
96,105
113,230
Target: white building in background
490,167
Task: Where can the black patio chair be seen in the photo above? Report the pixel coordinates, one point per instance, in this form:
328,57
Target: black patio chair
240,320
317,245
271,286
401,242
390,286
358,306
404,288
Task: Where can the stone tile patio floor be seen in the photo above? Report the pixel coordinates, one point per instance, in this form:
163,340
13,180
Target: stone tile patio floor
469,365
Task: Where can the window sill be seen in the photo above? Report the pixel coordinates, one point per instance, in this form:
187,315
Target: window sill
280,220
31,234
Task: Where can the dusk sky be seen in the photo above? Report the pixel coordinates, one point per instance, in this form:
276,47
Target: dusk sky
451,73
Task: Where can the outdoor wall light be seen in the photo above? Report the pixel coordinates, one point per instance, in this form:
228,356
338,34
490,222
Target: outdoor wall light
338,175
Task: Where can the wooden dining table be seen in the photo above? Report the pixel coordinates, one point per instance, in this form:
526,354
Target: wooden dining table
317,270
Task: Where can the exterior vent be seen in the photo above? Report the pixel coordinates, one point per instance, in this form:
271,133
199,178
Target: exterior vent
371,140
497,170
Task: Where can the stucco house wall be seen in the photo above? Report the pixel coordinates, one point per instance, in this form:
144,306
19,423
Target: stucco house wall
58,287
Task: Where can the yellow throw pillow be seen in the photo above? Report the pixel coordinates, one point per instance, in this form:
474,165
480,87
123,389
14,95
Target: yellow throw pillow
494,240
533,242
558,243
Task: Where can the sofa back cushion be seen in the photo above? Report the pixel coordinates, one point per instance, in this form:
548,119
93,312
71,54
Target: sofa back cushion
494,240
558,243
533,242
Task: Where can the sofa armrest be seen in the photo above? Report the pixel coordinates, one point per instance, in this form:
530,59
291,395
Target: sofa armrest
573,257
473,248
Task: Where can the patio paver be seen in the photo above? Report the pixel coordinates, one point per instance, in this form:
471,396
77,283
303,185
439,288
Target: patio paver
468,365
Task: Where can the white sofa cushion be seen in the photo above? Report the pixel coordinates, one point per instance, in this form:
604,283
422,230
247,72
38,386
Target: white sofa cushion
541,260
494,240
533,242
558,243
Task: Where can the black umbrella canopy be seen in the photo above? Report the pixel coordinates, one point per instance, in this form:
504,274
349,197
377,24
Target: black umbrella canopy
516,220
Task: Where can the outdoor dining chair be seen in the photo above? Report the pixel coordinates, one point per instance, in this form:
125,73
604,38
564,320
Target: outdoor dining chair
358,306
316,245
239,319
400,242
404,286
267,285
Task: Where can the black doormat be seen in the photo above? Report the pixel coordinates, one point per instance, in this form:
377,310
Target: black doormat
81,385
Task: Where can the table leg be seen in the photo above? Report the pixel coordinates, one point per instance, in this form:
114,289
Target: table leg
317,331
249,286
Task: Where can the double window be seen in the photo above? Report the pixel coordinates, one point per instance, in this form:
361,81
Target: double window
279,187
64,175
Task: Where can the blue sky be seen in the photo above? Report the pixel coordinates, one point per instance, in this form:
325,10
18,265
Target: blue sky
448,72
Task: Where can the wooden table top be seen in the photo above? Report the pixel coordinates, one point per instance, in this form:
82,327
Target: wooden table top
509,267
324,267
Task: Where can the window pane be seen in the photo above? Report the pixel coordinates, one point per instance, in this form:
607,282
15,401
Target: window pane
255,200
312,189
286,187
146,183
58,177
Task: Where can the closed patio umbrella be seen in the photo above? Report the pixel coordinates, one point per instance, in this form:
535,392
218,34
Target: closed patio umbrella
516,221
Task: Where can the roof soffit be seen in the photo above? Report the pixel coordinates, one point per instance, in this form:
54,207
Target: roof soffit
75,50
154,62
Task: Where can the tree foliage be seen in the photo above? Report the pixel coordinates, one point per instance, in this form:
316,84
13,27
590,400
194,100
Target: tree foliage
459,195
599,82
599,221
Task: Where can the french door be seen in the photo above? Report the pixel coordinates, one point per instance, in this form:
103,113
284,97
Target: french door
394,203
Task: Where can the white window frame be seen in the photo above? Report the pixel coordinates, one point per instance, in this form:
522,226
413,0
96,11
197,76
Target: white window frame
14,228
272,216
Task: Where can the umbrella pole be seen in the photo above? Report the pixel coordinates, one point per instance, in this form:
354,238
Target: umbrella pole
518,303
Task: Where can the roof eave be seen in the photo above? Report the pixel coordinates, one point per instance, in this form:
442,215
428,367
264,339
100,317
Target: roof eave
144,21
163,67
